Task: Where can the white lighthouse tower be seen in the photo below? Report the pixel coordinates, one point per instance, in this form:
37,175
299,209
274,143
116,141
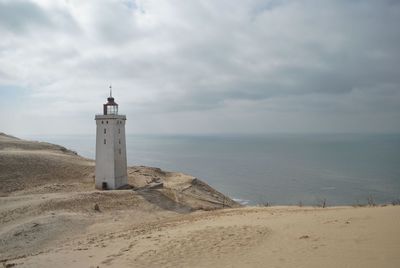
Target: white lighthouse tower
111,170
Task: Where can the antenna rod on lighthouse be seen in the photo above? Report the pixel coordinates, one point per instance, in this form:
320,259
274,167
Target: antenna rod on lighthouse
110,91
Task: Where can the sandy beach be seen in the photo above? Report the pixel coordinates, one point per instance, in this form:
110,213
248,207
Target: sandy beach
51,216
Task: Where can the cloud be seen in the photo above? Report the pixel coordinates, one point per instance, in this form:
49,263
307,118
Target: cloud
227,64
18,16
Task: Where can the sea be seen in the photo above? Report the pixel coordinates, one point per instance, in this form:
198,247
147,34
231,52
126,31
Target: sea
272,169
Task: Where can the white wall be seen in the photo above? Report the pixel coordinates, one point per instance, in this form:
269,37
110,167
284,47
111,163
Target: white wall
111,164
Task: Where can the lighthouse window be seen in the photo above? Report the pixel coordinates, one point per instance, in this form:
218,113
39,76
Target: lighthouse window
112,109
105,131
102,122
119,151
105,141
119,131
106,122
119,141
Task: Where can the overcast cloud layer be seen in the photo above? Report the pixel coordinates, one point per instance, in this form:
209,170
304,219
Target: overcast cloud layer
245,66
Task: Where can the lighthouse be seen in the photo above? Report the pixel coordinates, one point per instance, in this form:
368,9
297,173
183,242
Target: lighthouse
111,170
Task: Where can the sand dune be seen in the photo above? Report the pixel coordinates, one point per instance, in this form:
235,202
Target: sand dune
48,196
51,216
246,237
28,167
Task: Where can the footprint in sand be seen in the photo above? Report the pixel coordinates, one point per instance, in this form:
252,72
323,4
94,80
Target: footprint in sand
209,243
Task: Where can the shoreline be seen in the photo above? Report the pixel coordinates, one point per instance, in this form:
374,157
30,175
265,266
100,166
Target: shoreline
285,180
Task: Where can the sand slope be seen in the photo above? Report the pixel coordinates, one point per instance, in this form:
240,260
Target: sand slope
27,166
247,237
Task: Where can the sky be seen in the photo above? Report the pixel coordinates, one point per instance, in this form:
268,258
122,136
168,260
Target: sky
201,67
